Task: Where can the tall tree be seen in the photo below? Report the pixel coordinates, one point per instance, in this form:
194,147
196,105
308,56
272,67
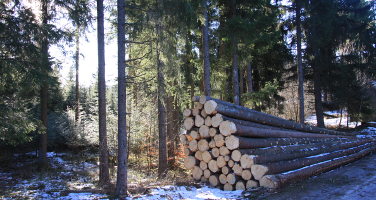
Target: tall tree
104,175
121,183
299,58
235,68
205,37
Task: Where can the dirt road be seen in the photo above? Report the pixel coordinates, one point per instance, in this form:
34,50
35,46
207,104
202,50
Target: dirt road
353,181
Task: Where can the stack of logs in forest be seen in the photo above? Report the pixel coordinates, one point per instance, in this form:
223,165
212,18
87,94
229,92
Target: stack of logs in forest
234,147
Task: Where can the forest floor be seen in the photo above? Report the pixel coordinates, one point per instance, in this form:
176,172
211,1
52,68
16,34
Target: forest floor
76,177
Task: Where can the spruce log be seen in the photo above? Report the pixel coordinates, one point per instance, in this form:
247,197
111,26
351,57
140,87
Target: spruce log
246,161
217,106
188,152
203,145
233,178
252,184
227,128
227,158
240,185
187,113
214,180
190,162
259,171
226,170
236,155
207,173
215,152
194,133
197,173
208,121
189,123
223,178
213,166
207,156
195,99
238,169
213,131
198,155
203,165
219,140
195,112
231,163
193,145
228,187
275,181
260,159
246,174
203,113
204,131
204,179
221,161
212,144
252,143
199,105
223,150
199,121
184,139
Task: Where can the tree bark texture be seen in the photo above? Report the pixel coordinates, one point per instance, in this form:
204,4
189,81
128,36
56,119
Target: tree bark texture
77,58
235,70
121,183
205,31
104,175
170,131
300,65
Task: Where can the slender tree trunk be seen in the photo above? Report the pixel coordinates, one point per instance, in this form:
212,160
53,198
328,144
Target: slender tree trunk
206,51
121,183
170,130
300,65
235,70
241,83
42,157
104,175
249,78
317,92
77,57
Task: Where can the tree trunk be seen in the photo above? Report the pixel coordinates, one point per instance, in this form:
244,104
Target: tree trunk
42,157
275,181
235,70
77,58
205,38
300,65
259,171
249,78
241,87
170,131
121,183
317,93
104,175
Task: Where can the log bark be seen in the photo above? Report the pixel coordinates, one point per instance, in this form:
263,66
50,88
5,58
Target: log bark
217,106
198,155
259,171
199,121
214,180
213,166
247,174
190,162
236,142
215,152
227,128
193,145
204,131
197,173
207,156
203,145
219,140
187,112
189,123
223,179
208,121
238,169
203,165
260,159
221,161
240,185
275,181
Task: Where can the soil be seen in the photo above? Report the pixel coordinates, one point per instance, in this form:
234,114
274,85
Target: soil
353,181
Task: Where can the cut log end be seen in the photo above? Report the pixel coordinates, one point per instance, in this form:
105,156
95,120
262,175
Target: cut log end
236,155
247,174
252,184
189,123
203,145
199,121
223,178
246,161
203,99
187,112
197,173
259,171
269,181
228,187
227,128
240,185
213,166
214,180
204,131
193,145
190,162
215,152
216,120
210,107
232,142
207,156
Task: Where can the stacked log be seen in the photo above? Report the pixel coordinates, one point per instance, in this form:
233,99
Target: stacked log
236,148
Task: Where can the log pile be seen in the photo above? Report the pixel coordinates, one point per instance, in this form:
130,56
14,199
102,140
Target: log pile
236,148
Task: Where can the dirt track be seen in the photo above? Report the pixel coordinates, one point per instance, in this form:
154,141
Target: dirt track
353,181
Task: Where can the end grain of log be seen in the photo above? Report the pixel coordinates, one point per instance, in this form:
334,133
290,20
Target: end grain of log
195,99
231,163
222,178
197,173
223,150
195,112
207,173
214,180
203,113
184,139
203,99
252,184
219,140
221,161
233,178
198,155
228,187
247,161
215,152
232,142
238,169
199,121
187,113
216,120
203,145
212,144
213,166
204,131
188,152
259,171
190,162
240,185
189,123
207,156
236,155
195,134
210,107
199,105
193,145
208,120
226,170
247,174
203,165
227,128
227,158
213,131
204,179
